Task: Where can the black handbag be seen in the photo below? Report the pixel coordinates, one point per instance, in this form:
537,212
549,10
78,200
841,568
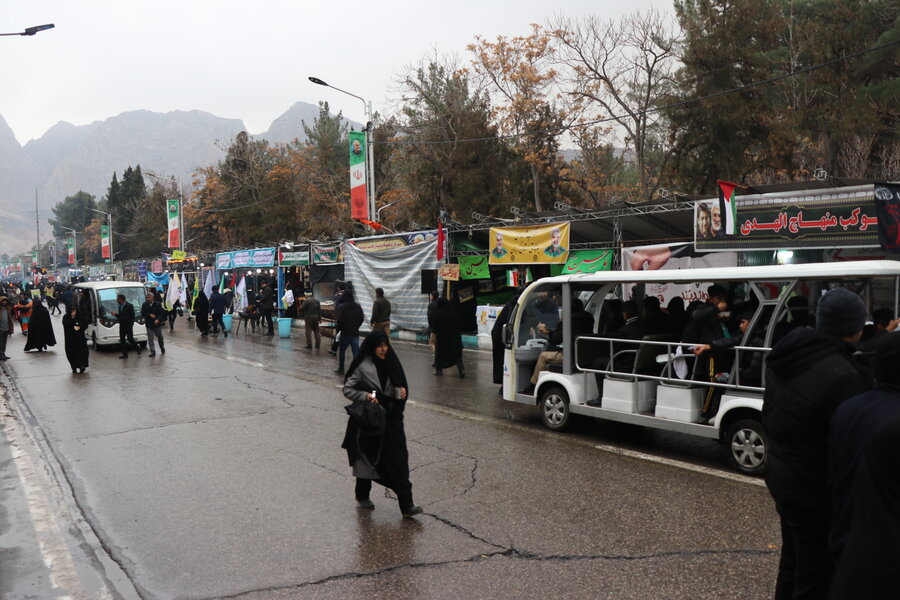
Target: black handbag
367,415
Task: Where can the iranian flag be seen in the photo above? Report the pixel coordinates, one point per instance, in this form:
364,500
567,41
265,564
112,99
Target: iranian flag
70,245
174,223
514,277
359,199
104,241
727,207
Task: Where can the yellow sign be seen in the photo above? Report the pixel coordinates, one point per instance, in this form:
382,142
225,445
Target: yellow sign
179,255
449,272
529,245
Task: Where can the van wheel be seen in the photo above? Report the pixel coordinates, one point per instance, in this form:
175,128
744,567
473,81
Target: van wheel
554,405
747,446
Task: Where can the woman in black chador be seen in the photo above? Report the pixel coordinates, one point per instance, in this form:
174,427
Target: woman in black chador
76,344
376,375
201,311
40,329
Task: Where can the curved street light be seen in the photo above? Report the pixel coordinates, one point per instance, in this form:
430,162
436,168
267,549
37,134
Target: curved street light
32,30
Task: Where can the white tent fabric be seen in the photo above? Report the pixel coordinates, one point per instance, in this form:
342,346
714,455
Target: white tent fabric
398,272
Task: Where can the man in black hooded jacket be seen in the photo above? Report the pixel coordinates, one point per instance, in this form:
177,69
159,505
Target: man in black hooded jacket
808,375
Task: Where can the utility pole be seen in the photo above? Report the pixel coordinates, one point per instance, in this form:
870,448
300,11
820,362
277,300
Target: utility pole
37,223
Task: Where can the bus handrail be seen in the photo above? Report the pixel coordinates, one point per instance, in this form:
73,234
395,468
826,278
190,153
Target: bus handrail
667,368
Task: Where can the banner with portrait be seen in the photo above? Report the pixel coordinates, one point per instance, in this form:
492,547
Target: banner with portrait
830,218
529,245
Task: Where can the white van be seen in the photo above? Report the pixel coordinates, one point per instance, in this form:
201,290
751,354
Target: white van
103,329
656,381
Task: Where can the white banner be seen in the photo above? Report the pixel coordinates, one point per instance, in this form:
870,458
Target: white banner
398,272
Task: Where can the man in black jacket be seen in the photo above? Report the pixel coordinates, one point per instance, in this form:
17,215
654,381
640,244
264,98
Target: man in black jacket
582,324
154,318
126,325
808,375
267,305
348,318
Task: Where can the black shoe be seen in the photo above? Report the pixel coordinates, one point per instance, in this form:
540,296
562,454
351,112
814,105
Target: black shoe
308,347
317,346
161,349
123,356
367,504
204,335
226,334
462,373
411,512
74,370
597,402
529,390
82,369
339,371
269,333
152,354
331,352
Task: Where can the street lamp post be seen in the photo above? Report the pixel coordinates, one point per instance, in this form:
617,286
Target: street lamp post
74,244
32,30
181,242
370,147
109,222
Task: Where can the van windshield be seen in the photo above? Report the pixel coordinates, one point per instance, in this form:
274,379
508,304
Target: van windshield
108,304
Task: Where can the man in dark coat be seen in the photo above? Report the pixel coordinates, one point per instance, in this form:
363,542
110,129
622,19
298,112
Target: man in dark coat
808,375
348,318
311,313
853,424
217,308
201,311
40,329
154,319
126,326
448,340
497,346
267,305
869,565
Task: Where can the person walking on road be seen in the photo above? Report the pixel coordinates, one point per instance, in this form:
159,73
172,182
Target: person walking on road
311,313
376,375
448,340
267,305
126,326
154,318
381,312
40,330
808,375
348,318
201,311
75,342
7,326
217,307
23,312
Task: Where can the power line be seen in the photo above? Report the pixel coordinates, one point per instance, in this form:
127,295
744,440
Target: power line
651,110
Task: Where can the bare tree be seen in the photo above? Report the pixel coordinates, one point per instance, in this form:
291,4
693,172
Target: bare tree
622,71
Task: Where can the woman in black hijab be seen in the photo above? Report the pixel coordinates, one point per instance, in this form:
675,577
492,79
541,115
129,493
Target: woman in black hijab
76,344
201,311
40,329
376,375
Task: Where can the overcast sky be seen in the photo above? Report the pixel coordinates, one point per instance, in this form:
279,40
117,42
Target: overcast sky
244,60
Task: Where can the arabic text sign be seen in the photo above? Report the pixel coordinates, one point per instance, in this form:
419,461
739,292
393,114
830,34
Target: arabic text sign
449,272
262,257
294,259
527,245
474,267
827,220
223,260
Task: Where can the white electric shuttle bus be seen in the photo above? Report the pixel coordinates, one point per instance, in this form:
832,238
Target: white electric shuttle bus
103,329
657,381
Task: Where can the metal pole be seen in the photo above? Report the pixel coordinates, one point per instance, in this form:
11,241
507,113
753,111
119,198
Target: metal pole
37,223
370,158
112,255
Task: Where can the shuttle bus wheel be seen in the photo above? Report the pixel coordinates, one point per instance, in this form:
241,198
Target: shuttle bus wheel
554,405
747,446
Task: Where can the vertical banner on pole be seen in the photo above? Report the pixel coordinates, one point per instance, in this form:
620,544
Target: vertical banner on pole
174,224
70,245
104,242
359,203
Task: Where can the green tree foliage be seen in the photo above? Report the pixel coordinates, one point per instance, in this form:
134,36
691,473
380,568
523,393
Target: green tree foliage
437,166
75,212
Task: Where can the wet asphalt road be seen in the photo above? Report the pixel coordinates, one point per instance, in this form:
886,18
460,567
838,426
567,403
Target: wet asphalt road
215,472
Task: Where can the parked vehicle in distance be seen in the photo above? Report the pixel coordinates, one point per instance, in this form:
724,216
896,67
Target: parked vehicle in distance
103,329
656,381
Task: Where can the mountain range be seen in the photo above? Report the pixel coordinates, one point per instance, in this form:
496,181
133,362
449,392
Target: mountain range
70,158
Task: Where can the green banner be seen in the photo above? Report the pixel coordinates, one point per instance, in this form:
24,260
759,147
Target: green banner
474,267
589,261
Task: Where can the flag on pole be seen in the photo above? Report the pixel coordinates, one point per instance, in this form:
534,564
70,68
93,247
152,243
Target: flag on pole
173,293
222,283
70,245
440,241
104,241
183,296
240,295
208,286
514,277
727,207
174,223
359,199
